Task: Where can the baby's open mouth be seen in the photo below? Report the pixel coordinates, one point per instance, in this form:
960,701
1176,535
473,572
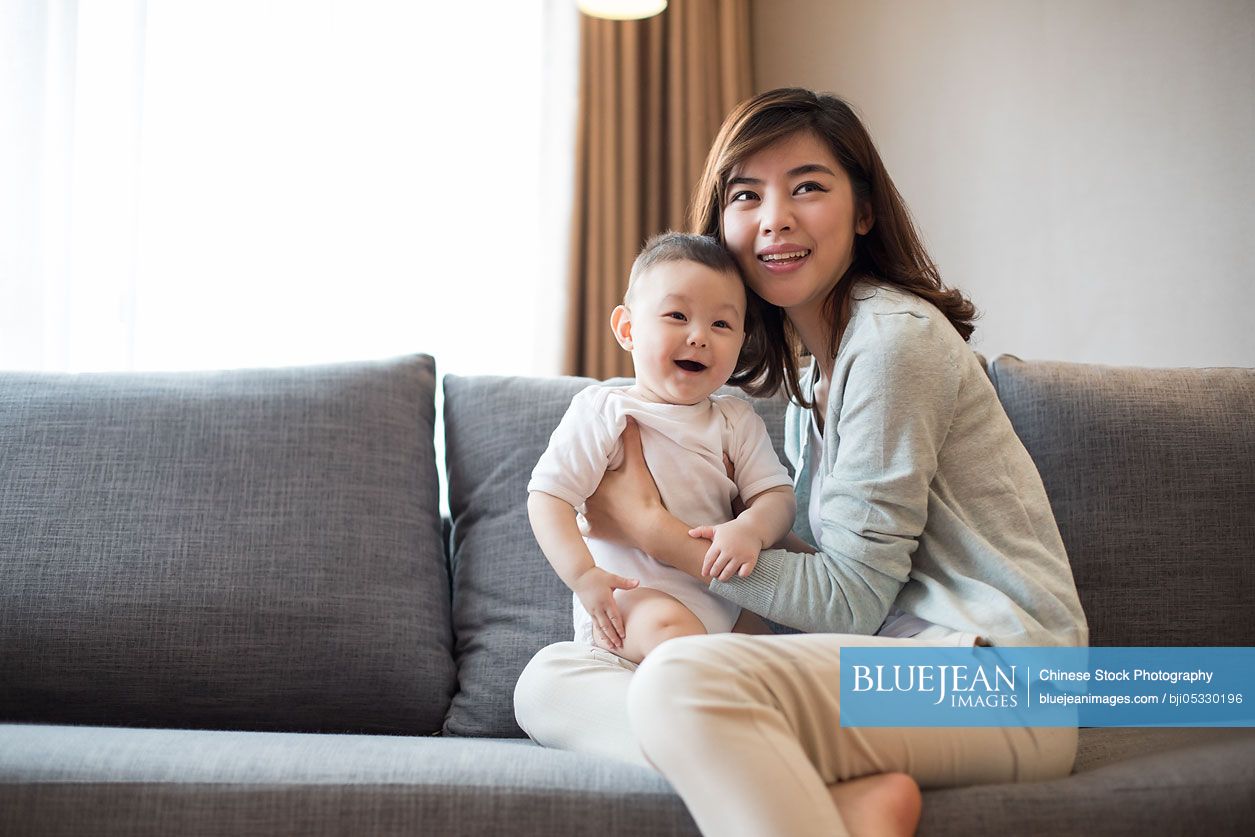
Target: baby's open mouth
690,365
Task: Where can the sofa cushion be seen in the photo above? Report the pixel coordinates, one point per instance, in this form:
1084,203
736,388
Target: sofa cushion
254,549
1127,783
75,780
90,780
508,603
1151,475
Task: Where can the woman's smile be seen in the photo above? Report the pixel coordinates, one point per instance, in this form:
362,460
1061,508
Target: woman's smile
783,258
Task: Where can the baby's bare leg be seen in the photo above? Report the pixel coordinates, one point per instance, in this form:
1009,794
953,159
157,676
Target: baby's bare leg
651,617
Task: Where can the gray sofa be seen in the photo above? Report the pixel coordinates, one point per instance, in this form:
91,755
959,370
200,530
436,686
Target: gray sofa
227,605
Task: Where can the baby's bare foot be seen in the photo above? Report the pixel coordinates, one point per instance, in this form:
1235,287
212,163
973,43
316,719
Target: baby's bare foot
887,804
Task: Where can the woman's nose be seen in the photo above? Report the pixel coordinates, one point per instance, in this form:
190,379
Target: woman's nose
776,216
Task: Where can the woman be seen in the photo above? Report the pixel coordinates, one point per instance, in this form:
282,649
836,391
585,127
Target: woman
929,521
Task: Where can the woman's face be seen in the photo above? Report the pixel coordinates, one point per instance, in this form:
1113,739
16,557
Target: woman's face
790,219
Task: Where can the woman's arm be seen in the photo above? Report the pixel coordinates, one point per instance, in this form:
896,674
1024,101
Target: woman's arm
626,508
900,388
897,400
667,540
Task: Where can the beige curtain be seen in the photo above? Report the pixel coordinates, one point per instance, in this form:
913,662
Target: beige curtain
652,96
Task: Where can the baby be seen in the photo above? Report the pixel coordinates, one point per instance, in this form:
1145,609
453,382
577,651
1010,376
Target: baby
683,320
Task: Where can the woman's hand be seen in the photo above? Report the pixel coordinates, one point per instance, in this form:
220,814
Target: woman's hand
627,500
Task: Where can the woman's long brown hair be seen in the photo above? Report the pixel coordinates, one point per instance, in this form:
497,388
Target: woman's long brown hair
890,252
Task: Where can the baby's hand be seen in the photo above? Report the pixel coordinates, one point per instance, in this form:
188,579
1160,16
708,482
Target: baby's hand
733,549
595,589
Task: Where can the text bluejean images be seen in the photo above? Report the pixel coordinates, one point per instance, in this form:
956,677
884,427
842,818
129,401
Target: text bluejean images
1088,687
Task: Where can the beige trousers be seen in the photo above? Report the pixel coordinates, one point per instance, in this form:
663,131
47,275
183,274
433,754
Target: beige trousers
746,728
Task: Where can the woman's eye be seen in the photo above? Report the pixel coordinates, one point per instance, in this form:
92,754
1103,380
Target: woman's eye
676,315
742,195
809,186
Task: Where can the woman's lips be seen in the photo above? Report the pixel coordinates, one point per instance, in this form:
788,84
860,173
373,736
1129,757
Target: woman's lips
775,264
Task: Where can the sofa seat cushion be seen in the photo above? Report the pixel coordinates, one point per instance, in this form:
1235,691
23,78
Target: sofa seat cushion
508,603
98,780
74,780
253,549
1126,783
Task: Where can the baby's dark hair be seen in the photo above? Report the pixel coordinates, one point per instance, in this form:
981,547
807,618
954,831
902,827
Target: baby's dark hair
674,246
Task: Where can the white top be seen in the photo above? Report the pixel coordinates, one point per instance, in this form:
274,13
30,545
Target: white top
684,447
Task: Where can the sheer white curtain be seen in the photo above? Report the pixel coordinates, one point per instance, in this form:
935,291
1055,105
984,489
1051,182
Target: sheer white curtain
221,183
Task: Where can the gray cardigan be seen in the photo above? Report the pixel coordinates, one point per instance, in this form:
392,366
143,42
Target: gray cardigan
930,501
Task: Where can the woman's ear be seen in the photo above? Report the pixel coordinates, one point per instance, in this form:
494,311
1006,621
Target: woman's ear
621,325
866,219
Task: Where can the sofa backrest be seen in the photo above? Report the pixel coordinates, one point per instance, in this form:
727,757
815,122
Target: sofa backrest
255,549
1151,476
261,549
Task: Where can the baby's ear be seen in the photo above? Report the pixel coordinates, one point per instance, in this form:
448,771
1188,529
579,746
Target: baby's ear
621,325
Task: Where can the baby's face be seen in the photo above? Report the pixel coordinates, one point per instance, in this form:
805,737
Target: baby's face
687,324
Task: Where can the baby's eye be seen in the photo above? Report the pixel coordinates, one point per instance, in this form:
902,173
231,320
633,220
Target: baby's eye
722,324
676,315
808,186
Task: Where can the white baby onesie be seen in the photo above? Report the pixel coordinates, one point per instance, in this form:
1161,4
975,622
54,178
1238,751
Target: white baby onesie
683,446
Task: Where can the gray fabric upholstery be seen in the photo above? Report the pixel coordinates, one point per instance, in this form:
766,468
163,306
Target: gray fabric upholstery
75,780
255,549
84,780
1128,783
1151,475
507,601
260,551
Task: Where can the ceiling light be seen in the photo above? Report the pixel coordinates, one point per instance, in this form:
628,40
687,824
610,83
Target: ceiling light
621,9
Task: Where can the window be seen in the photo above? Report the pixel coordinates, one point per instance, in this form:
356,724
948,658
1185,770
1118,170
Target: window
226,184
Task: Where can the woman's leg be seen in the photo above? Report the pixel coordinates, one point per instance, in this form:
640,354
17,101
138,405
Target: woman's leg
747,730
572,696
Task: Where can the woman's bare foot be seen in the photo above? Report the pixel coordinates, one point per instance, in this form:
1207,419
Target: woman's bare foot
883,805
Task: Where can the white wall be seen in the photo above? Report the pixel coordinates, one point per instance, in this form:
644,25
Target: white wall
1083,169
